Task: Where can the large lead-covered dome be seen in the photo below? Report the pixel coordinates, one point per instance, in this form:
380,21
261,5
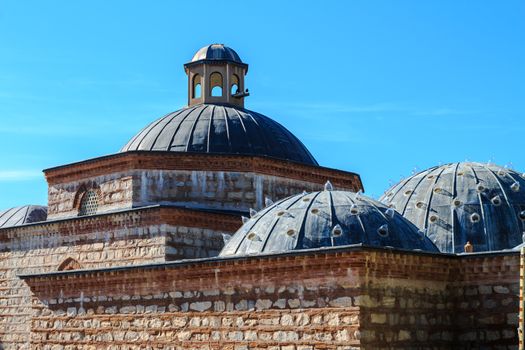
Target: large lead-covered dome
460,202
221,129
325,219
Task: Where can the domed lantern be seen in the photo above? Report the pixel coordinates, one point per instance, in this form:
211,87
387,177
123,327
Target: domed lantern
216,75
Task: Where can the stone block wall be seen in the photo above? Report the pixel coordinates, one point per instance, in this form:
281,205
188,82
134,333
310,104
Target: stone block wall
334,299
486,301
115,193
227,183
126,238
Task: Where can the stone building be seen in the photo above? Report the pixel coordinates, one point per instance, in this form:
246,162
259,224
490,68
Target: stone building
215,228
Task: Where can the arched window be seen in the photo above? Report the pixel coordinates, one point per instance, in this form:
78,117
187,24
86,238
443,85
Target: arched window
235,85
216,84
196,90
88,203
69,264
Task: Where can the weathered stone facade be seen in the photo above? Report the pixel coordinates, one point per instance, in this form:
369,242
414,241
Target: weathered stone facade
146,235
217,182
336,299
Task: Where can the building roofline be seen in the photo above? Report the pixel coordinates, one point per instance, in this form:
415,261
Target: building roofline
167,154
123,211
294,253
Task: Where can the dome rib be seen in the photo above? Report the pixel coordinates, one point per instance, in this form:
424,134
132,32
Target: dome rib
220,129
301,235
488,238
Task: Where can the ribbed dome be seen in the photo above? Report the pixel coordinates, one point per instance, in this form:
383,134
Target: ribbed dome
216,52
324,219
208,128
22,215
460,202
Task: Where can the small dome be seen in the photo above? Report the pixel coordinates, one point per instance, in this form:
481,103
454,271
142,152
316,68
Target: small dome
216,52
22,215
459,202
220,129
324,219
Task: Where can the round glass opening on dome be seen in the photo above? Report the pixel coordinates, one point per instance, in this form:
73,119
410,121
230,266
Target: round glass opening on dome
457,202
420,205
496,201
306,199
314,211
460,173
337,231
430,176
522,215
475,218
433,218
354,210
515,187
408,192
437,190
480,188
252,236
383,230
290,232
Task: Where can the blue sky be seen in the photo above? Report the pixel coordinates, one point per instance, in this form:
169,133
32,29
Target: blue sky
376,87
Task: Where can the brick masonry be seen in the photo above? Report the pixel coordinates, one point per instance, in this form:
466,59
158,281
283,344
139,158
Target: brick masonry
232,183
146,235
336,299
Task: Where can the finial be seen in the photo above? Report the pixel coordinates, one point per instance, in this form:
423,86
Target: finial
267,201
515,186
390,212
245,219
253,212
328,186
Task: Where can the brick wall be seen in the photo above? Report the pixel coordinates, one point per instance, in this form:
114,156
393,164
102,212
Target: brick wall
134,237
195,180
335,299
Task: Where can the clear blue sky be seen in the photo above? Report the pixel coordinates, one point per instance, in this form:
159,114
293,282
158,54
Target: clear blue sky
374,87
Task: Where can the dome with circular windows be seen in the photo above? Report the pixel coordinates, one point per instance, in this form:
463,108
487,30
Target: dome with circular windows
324,219
456,203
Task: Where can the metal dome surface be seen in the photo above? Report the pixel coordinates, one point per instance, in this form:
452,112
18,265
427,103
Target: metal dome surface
324,219
221,129
216,52
22,215
460,202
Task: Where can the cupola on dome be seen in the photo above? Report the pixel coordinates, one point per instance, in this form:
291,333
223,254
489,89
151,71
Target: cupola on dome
215,120
456,203
324,219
